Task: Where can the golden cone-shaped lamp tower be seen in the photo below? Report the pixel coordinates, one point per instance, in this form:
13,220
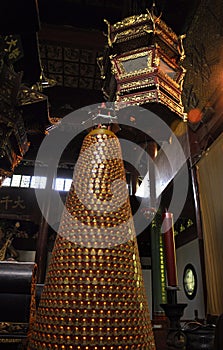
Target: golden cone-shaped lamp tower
94,297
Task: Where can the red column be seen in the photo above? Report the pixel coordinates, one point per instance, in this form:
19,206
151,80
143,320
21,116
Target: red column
169,247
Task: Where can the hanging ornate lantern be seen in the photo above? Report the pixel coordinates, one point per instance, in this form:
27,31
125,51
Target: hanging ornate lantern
142,64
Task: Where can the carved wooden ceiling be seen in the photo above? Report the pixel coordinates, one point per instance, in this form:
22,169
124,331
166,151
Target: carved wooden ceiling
70,66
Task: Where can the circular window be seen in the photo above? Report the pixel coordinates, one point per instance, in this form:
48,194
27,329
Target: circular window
190,281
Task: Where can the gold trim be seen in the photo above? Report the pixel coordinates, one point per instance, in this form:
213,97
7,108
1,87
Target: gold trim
27,96
169,89
148,82
3,251
129,21
140,98
172,105
135,54
100,65
141,23
117,64
131,34
169,80
181,47
33,307
133,85
152,96
167,60
54,120
139,19
11,340
7,329
109,32
166,31
101,131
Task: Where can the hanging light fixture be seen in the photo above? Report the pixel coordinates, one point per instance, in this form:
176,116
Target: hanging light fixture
142,64
44,82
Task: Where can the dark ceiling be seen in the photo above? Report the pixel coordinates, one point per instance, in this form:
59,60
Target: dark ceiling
90,13
20,16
